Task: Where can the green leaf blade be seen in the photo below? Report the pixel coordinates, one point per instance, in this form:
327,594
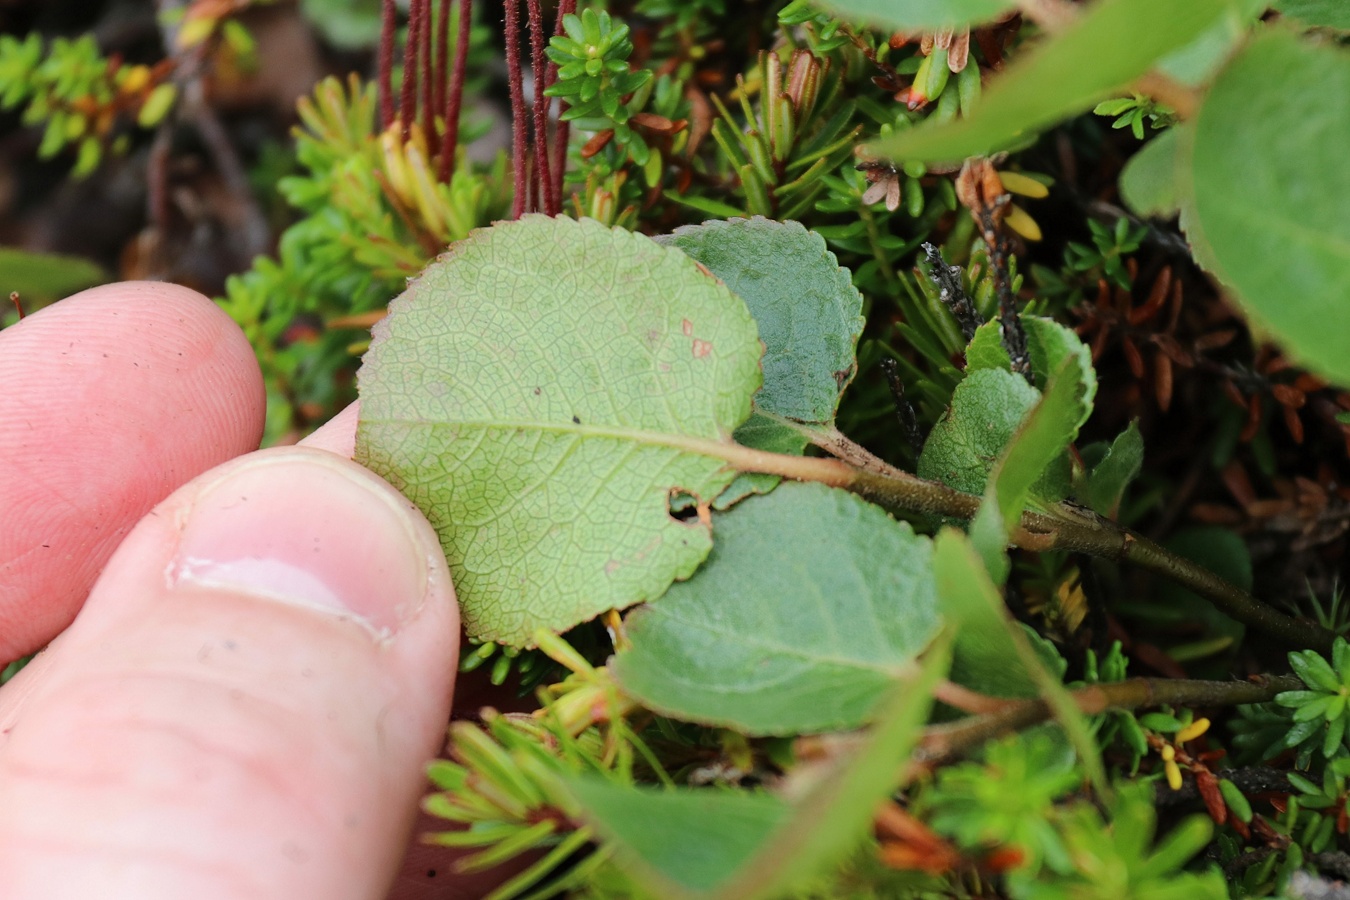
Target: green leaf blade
1040,440
916,15
811,605
1148,183
540,392
808,311
1268,192
1112,44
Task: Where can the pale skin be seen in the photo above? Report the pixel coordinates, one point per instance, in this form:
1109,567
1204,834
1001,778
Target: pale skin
252,653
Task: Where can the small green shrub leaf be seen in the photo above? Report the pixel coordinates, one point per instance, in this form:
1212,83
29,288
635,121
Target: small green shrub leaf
1040,441
1111,44
812,604
1114,471
917,15
1050,345
686,840
986,409
736,846
984,658
540,392
1269,184
1148,183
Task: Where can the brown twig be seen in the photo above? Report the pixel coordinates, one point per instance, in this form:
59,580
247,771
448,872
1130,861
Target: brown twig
1068,529
947,741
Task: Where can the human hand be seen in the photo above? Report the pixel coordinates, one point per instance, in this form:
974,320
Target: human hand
255,678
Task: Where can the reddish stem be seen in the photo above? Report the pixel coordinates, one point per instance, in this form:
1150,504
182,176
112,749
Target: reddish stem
407,98
388,27
18,304
442,53
455,96
424,74
520,119
543,184
563,132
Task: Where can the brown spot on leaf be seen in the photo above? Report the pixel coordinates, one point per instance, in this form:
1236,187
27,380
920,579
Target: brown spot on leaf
687,327
701,348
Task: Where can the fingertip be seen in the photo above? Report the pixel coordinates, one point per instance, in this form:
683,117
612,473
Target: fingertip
113,398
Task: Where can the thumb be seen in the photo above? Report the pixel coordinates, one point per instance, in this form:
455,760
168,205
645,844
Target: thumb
244,706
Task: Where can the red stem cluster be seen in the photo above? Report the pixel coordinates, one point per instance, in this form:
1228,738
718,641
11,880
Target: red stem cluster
433,82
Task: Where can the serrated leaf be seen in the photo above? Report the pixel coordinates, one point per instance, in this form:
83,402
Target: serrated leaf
1114,472
808,311
540,392
920,15
810,607
1269,187
1318,13
736,846
1112,43
1049,344
1148,183
1040,440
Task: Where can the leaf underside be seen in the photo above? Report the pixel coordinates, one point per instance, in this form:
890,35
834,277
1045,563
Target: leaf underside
540,392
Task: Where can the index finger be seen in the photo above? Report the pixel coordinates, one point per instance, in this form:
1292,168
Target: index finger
111,400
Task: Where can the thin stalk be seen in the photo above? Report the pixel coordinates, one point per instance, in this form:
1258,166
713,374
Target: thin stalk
442,54
407,97
520,120
388,29
947,741
455,96
424,72
543,191
1069,529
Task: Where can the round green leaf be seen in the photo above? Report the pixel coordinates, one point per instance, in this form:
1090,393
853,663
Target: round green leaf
986,409
811,605
1270,189
540,392
1148,183
1050,345
808,311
